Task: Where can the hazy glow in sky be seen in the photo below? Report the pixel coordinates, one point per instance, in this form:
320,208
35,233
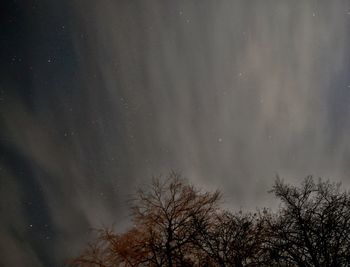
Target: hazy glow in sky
98,96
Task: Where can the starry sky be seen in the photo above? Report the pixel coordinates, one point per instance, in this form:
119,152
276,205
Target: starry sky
96,97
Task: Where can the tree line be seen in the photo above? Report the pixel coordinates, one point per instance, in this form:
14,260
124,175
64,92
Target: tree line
176,224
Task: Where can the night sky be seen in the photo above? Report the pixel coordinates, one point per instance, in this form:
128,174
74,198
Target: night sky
96,97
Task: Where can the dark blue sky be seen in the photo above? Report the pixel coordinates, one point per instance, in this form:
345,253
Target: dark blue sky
98,96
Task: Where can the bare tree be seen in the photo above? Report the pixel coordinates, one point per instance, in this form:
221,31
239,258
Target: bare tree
163,229
99,253
175,224
312,228
233,239
167,212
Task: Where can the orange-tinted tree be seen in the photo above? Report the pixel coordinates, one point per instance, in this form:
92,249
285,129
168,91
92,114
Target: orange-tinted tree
175,224
163,230
166,212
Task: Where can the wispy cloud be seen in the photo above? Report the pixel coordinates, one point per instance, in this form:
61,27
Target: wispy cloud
230,93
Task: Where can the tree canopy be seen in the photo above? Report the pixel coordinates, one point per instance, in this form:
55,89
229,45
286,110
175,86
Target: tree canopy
175,224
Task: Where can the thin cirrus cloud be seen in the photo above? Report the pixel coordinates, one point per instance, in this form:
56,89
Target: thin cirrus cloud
229,93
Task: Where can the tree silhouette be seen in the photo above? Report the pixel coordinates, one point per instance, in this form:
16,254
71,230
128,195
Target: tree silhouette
163,231
175,224
233,239
312,228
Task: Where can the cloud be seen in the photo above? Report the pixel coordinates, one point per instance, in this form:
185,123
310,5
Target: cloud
229,93
258,77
